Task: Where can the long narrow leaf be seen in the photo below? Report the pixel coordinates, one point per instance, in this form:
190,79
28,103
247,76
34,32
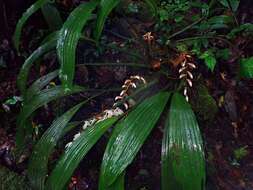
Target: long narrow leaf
106,6
37,169
39,84
52,16
36,6
128,137
44,97
75,153
23,74
183,164
68,39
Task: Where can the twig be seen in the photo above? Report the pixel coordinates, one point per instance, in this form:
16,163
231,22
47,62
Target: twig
186,28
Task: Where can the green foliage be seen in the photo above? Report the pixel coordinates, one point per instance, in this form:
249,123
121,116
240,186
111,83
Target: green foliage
183,165
52,16
75,153
204,104
12,181
37,170
105,6
183,161
24,72
127,138
246,67
68,39
35,7
233,4
209,59
240,153
43,97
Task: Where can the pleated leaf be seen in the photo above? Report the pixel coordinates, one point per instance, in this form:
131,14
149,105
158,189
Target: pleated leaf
68,40
35,7
75,153
128,137
39,84
44,97
37,169
23,74
183,162
52,16
105,8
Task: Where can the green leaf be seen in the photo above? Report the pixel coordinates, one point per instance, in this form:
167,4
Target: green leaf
209,59
105,8
37,169
23,74
220,22
52,16
35,88
36,6
119,183
68,40
75,153
233,3
44,97
152,5
128,137
246,67
183,162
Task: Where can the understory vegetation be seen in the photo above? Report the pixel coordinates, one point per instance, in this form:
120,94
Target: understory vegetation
106,74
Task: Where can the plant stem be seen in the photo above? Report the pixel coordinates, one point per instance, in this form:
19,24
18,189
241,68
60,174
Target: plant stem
186,28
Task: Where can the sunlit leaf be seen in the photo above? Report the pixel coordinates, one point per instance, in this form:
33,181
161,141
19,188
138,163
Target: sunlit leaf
36,6
105,8
75,153
23,74
38,163
246,67
68,40
128,137
183,162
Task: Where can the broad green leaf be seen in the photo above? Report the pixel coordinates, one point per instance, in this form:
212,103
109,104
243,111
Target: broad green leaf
128,137
220,22
36,6
37,169
42,98
68,40
52,16
209,59
105,8
233,3
243,29
40,83
246,67
75,153
119,183
152,5
23,74
183,162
